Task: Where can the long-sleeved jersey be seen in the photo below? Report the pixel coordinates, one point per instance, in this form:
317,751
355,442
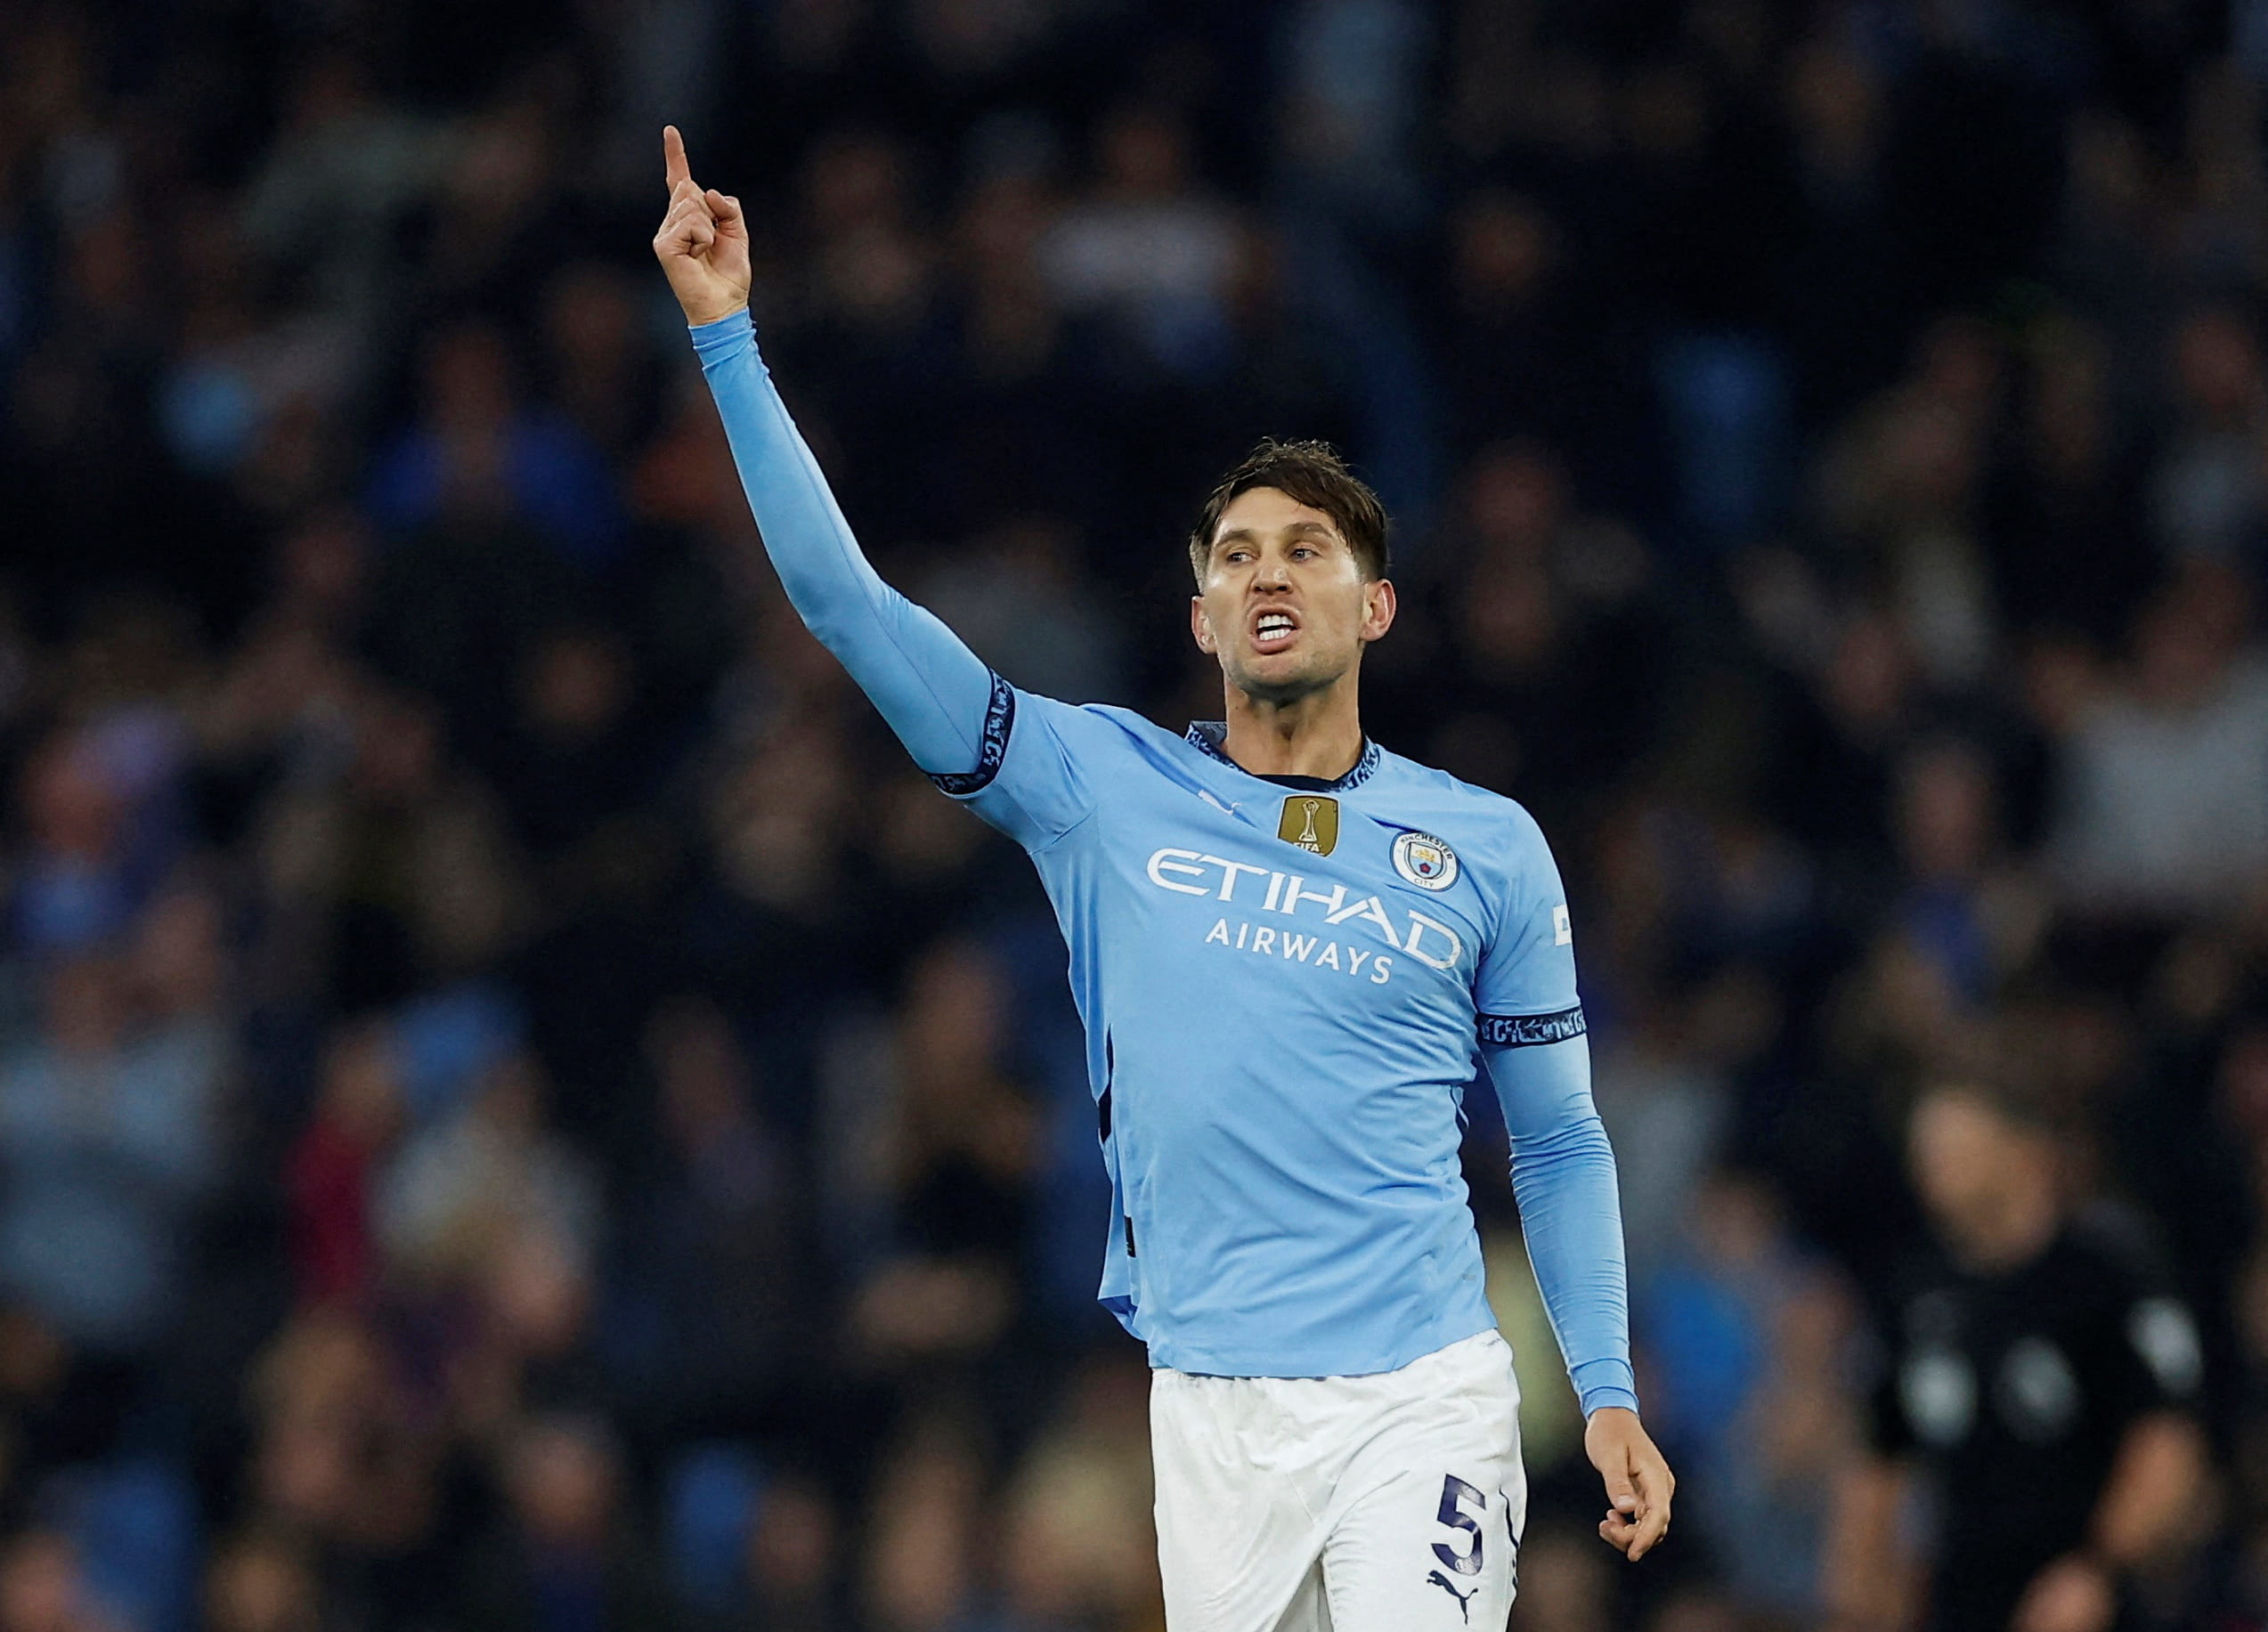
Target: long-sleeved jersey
1286,986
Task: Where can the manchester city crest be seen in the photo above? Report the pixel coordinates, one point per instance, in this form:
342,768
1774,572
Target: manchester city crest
1424,860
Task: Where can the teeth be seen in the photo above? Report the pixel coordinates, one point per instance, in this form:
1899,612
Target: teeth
1272,626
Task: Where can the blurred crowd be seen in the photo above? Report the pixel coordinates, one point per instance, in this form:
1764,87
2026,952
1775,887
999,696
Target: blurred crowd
520,1109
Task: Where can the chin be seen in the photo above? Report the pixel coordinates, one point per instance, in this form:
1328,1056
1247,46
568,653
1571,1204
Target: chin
1286,680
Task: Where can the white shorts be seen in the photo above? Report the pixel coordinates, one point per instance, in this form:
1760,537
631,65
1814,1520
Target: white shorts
1391,1503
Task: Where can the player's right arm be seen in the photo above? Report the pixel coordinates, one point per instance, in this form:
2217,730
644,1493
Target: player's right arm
951,712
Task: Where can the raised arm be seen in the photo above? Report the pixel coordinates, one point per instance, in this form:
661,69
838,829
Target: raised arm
938,696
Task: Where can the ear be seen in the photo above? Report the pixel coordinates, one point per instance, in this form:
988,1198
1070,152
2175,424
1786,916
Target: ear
1377,609
1200,626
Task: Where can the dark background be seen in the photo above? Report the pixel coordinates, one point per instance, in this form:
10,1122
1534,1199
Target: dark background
519,1107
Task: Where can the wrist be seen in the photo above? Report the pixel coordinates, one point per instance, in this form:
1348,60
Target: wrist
708,317
1603,1383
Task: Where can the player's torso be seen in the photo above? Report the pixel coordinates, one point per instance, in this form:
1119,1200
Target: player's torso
1281,924
1277,986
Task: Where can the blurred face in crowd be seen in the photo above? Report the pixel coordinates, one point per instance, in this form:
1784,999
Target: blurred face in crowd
72,809
361,1088
1987,1181
1943,811
2217,361
179,963
1144,155
791,1542
260,1585
40,1588
1283,601
2186,639
561,1476
86,1007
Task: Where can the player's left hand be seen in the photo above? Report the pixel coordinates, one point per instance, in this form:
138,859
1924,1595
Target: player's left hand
1638,1481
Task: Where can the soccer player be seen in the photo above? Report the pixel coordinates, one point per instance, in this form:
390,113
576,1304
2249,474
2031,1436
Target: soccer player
1289,948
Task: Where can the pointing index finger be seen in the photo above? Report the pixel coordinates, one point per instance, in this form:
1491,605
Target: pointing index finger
673,163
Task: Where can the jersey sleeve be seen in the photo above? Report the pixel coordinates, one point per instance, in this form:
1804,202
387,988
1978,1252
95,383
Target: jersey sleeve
955,716
1030,781
1527,970
1531,1039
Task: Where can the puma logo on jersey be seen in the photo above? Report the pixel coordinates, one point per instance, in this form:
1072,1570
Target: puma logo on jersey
1464,1599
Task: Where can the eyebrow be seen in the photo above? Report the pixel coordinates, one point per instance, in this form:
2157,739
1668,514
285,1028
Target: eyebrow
1319,528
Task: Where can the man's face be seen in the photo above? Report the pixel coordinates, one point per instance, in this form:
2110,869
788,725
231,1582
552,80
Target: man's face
1957,1152
1966,1159
1283,602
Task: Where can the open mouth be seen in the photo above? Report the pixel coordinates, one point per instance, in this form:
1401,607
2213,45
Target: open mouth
1273,630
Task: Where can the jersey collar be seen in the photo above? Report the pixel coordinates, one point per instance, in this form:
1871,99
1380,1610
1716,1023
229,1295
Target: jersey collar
1209,735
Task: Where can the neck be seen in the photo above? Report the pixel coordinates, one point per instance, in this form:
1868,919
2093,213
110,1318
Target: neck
1318,734
2012,1234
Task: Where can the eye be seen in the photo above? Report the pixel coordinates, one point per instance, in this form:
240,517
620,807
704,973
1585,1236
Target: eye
1303,549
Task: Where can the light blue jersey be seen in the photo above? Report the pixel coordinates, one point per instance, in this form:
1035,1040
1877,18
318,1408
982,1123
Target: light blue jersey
1287,987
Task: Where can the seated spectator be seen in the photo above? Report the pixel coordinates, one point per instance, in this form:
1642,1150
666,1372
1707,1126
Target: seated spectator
109,1140
940,1222
487,1175
1079,1537
923,1574
397,859
332,1170
1964,910
712,1272
2164,781
2210,494
347,1462
478,455
567,1558
84,876
1148,247
261,1582
793,1561
1747,1333
42,1588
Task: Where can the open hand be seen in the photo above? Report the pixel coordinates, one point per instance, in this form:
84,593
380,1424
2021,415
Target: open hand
1638,1481
704,241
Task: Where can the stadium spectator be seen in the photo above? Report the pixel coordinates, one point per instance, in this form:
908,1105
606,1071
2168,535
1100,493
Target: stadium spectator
110,1139
2165,777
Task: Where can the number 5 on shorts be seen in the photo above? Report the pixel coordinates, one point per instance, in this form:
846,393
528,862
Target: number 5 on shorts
1453,1491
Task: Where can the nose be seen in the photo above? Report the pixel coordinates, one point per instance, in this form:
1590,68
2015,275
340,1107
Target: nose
1273,575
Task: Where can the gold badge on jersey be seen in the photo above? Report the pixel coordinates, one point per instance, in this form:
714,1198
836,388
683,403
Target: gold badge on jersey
1311,822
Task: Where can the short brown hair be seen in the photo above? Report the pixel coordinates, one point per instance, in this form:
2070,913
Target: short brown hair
1314,474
